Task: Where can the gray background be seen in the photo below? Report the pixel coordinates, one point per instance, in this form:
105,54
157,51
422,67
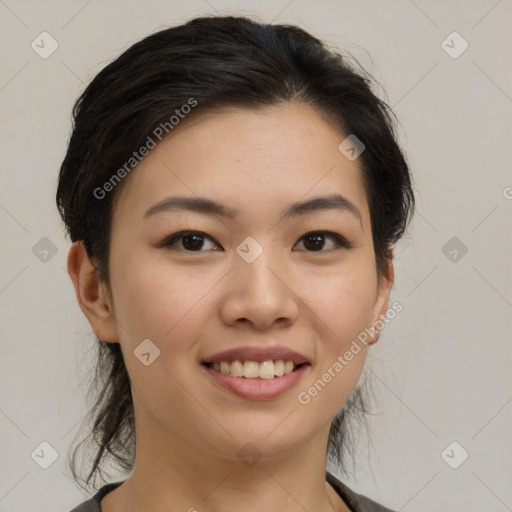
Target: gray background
441,368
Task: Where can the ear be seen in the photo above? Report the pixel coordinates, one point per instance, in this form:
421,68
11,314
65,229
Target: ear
382,301
91,293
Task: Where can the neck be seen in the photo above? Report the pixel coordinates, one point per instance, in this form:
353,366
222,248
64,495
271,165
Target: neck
179,476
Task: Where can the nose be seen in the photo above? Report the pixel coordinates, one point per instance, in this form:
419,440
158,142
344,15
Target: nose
259,294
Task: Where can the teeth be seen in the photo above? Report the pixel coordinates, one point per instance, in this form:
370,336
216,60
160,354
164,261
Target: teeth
264,370
237,369
279,368
253,370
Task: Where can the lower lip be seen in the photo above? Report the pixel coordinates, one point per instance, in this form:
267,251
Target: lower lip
258,389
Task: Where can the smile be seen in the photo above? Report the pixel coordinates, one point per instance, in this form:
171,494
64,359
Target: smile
256,381
253,370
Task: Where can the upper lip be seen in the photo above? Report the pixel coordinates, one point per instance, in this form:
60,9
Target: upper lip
258,354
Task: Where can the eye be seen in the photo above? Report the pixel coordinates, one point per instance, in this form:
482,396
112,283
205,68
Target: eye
191,241
314,241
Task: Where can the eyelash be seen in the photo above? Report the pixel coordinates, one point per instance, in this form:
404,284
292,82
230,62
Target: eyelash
340,241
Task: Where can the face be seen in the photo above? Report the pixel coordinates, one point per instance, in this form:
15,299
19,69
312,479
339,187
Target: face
216,289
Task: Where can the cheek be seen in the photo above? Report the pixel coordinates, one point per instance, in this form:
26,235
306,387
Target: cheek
342,305
164,305
343,301
156,302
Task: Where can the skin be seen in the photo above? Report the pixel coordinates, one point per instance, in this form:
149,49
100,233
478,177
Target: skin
194,304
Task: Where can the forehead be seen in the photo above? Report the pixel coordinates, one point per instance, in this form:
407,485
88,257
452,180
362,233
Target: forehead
254,160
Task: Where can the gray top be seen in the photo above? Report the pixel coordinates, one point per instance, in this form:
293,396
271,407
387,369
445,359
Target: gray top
355,502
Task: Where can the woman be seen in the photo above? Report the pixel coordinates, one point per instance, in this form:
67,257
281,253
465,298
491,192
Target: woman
233,191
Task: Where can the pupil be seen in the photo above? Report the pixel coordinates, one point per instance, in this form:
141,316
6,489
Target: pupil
196,244
317,242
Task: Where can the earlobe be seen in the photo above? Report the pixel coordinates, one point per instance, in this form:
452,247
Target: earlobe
382,301
91,293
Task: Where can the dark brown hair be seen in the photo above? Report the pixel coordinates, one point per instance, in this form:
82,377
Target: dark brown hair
218,61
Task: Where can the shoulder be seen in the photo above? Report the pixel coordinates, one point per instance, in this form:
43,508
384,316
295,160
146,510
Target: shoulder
356,502
93,504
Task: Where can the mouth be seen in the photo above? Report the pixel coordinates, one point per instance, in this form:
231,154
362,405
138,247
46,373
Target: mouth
255,372
252,380
265,370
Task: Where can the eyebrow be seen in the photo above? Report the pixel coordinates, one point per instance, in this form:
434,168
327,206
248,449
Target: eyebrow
210,207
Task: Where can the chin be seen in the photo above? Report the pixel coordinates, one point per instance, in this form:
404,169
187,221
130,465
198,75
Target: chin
270,435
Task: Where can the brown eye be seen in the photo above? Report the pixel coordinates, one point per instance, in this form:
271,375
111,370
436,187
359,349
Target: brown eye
315,241
191,241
